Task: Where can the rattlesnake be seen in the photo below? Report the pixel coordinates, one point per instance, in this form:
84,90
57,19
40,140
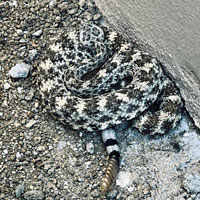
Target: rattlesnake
93,79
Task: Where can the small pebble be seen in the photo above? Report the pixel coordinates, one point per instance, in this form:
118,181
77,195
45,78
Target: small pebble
87,164
22,41
30,95
22,48
61,145
31,123
18,155
124,179
6,86
51,4
32,54
34,194
13,157
112,194
20,32
38,33
2,196
20,70
72,11
19,90
13,3
81,3
41,148
192,183
37,139
19,190
5,151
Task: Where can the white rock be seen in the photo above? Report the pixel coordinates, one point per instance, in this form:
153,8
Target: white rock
51,4
61,145
20,70
18,155
22,41
31,123
192,183
87,164
32,54
38,33
6,86
14,3
19,90
191,143
5,151
124,179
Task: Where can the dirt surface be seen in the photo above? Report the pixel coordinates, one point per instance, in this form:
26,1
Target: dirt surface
42,159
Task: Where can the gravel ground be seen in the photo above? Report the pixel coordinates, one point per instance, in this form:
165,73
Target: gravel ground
42,159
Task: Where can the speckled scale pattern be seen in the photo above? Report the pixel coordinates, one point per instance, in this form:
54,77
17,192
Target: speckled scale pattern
93,79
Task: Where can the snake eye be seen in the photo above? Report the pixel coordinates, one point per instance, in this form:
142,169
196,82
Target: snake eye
95,31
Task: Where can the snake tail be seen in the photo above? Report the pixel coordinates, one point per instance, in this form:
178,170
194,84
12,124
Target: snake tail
113,150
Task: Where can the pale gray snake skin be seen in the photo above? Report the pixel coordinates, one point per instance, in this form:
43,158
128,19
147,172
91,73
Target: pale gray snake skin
124,83
94,79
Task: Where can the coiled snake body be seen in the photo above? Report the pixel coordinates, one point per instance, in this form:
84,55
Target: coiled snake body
94,79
